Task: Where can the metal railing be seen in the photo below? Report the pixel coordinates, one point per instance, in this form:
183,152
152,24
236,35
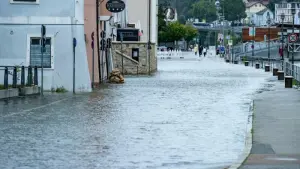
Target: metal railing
292,70
15,76
246,48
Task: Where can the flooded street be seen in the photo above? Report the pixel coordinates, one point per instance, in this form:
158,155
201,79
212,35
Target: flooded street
191,114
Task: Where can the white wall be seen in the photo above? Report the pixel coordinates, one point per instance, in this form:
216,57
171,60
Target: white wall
15,47
138,11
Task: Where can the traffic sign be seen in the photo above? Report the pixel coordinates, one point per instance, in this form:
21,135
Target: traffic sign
230,42
115,6
293,37
102,34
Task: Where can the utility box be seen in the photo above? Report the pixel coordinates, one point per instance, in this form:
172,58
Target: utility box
135,53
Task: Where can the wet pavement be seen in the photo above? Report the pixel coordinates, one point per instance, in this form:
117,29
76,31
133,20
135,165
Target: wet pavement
191,114
276,142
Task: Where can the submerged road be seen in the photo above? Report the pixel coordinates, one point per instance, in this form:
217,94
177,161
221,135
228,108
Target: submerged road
191,114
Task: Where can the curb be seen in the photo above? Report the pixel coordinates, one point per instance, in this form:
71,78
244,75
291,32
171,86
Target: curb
248,140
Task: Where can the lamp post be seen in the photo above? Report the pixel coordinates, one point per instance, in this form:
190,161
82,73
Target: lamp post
282,16
269,35
232,41
253,36
293,15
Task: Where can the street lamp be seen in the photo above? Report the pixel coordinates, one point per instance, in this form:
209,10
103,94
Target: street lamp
293,15
269,34
282,16
252,22
232,41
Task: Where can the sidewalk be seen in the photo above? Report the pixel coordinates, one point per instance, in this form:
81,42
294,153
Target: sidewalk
276,129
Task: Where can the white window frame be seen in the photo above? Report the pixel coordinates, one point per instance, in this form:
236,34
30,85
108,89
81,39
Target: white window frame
29,36
24,2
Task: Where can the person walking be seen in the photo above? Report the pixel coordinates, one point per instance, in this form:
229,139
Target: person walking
200,50
196,50
204,51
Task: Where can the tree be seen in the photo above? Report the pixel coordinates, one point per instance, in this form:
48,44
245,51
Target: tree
204,9
175,31
161,18
233,9
190,33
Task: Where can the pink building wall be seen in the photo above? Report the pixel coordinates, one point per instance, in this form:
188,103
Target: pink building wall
90,26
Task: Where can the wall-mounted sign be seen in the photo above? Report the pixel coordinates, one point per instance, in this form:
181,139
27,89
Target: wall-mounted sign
115,6
127,34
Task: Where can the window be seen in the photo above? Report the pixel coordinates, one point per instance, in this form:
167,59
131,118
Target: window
25,1
36,54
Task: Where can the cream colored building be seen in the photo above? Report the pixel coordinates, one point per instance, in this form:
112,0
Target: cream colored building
136,15
252,8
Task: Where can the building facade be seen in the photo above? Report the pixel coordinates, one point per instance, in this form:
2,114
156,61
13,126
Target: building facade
252,7
261,17
20,29
98,71
286,9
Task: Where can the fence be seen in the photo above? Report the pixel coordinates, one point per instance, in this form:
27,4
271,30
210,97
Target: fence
262,61
173,54
14,76
292,70
258,46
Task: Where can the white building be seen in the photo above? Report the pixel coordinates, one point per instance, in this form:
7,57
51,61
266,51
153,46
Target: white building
286,9
20,30
136,15
252,8
260,18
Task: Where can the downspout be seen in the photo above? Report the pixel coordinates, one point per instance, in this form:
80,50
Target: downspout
97,37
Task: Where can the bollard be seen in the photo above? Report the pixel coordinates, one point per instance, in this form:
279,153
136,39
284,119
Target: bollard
22,76
36,79
275,70
267,68
15,78
246,63
257,65
29,77
288,81
280,75
235,62
6,78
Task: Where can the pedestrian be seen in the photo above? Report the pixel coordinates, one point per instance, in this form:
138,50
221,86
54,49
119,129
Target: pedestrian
200,50
204,51
196,50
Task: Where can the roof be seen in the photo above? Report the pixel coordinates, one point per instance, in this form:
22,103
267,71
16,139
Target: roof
262,11
251,3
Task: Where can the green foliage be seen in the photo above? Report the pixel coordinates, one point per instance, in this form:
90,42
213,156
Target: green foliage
175,31
204,9
233,9
190,33
161,18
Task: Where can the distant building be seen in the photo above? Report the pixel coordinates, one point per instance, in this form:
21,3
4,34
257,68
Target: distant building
260,18
286,9
253,7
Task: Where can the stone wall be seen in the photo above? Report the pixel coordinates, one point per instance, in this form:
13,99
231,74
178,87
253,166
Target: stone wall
131,66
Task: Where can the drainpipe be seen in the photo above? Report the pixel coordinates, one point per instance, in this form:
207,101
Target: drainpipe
97,37
149,36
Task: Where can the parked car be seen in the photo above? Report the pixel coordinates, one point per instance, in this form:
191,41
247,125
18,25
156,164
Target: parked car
162,48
